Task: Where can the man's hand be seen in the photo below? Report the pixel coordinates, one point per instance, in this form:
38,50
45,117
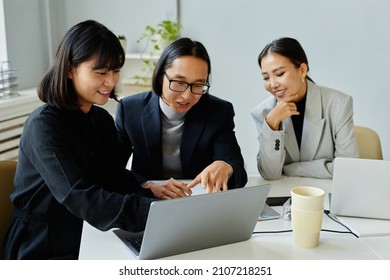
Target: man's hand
214,177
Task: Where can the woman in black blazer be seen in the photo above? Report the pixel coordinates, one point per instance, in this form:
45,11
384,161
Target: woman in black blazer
178,130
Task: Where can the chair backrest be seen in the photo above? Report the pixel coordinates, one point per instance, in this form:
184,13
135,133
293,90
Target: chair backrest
368,142
7,174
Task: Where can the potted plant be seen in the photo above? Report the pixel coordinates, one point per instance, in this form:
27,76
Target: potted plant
155,39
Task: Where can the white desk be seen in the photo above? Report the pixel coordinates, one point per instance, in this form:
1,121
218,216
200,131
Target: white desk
283,186
96,244
379,244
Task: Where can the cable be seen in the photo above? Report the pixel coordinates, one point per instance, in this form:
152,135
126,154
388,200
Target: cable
333,218
327,213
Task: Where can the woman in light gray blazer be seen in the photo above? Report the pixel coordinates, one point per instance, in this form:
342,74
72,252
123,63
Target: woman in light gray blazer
302,127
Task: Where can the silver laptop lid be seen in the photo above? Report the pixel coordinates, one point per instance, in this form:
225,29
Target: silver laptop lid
361,188
203,221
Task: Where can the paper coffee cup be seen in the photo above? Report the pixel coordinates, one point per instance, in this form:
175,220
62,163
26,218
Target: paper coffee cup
306,215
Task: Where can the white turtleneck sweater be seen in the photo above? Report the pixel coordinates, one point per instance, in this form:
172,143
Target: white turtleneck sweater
172,128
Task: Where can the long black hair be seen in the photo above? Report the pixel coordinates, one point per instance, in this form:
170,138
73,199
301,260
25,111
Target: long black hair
178,48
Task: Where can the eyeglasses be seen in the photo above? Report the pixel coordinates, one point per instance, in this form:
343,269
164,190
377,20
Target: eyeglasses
180,86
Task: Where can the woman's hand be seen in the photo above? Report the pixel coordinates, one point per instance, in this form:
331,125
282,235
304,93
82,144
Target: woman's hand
283,110
169,189
214,177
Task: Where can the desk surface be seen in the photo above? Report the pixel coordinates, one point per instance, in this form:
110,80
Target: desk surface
96,244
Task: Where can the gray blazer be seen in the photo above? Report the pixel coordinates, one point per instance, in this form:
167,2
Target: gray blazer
327,133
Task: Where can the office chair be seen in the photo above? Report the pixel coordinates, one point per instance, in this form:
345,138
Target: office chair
7,174
368,142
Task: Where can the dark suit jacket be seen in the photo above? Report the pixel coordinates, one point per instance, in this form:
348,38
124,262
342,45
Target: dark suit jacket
208,135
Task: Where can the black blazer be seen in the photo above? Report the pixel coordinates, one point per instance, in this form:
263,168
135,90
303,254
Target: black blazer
208,135
67,173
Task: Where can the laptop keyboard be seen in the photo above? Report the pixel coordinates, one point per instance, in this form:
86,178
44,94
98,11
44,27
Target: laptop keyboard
135,242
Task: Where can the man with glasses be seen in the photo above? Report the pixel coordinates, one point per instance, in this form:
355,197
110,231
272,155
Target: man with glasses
178,130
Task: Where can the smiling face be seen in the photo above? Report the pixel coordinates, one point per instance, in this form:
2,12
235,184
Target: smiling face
282,78
92,86
187,69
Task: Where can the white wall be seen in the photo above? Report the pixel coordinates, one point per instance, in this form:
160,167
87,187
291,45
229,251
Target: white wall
127,17
26,39
3,43
347,44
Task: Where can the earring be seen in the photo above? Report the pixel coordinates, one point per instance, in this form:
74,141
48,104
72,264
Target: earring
303,80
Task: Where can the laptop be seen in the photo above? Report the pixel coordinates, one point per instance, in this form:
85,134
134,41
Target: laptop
197,222
361,188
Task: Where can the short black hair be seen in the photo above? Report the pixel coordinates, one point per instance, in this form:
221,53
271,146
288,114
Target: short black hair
82,42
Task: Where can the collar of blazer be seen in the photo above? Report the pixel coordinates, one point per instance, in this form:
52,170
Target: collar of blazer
312,127
151,128
194,124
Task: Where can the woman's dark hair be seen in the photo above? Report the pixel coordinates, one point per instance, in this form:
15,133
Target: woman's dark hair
82,42
289,48
178,48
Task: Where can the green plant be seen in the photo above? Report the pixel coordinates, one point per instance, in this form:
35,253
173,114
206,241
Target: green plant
155,39
167,30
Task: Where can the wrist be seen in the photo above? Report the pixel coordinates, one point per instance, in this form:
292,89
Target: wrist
230,170
274,125
146,184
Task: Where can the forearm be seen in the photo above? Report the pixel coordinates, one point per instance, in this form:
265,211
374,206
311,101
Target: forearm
271,155
319,168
